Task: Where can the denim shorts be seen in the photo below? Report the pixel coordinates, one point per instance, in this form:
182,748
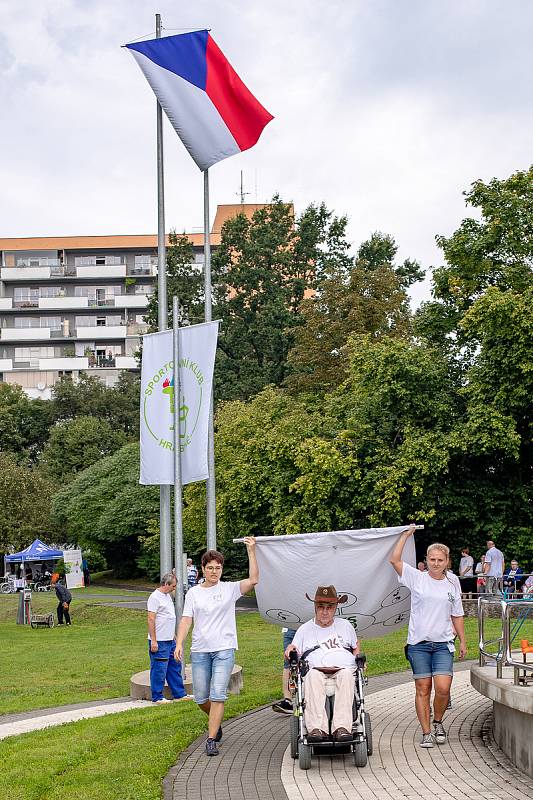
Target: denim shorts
288,636
210,675
430,658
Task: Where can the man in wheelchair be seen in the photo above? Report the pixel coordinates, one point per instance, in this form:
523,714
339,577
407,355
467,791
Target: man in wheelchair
329,646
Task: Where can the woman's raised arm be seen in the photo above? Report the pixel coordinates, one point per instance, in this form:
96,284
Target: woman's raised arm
396,555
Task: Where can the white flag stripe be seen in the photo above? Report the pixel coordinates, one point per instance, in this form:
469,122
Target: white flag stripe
356,562
197,360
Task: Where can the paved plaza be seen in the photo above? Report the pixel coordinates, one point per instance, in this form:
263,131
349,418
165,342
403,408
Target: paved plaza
255,764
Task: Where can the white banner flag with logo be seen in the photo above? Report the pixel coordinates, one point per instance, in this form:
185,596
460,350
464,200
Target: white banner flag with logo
355,562
197,347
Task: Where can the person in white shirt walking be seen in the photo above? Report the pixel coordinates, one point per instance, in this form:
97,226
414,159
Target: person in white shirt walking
162,642
493,568
466,572
211,605
436,615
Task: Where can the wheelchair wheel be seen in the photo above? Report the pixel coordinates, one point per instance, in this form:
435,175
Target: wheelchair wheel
360,755
368,729
51,621
304,756
294,736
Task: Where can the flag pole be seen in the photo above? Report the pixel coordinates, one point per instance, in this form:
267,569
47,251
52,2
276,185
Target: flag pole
165,547
178,488
210,486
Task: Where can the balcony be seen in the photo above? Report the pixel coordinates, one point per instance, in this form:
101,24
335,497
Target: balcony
102,271
105,302
28,302
126,362
5,303
25,334
101,332
62,303
142,271
137,329
131,300
25,273
6,364
63,362
63,271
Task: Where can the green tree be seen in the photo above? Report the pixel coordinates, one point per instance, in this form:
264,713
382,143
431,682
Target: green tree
75,444
368,297
25,499
185,280
105,507
261,273
89,397
24,423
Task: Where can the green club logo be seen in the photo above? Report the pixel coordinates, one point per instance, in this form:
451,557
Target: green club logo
158,403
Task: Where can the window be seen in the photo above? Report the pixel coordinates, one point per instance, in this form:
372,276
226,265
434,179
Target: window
51,322
85,322
97,261
51,291
31,355
27,322
144,288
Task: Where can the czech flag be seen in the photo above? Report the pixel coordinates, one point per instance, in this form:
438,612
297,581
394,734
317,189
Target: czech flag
208,105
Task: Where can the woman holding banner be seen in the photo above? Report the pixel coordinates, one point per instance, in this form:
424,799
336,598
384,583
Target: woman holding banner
211,605
436,615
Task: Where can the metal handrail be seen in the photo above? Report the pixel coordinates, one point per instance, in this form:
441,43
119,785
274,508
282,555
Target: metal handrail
504,656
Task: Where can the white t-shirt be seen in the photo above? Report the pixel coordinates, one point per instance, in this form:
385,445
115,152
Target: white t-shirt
433,603
466,561
495,558
332,641
162,604
213,612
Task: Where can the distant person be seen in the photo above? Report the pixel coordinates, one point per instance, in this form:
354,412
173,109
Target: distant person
162,642
284,706
466,572
527,587
86,573
421,566
65,599
513,577
493,568
480,580
436,617
192,573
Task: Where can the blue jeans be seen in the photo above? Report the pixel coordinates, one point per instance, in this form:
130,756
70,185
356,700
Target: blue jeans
288,636
430,658
210,675
163,666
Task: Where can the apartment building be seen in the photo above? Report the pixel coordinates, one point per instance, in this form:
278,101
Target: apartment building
75,304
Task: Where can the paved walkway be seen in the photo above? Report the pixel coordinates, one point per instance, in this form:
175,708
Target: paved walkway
254,761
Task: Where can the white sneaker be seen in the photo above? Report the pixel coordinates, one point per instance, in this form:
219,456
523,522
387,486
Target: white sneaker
162,701
428,740
439,733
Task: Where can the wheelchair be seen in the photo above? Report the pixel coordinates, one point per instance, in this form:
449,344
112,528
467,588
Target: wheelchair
301,749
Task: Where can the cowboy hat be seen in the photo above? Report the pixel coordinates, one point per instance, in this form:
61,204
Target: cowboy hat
327,594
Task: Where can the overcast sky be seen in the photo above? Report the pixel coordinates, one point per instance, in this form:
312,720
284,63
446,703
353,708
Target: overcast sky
386,110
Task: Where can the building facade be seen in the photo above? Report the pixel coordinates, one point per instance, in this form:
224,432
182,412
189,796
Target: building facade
76,304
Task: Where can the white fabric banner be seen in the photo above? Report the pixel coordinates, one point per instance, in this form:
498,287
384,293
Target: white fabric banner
355,562
197,360
73,570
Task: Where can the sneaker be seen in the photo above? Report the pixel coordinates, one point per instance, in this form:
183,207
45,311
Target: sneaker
161,702
283,706
428,740
439,733
211,747
218,737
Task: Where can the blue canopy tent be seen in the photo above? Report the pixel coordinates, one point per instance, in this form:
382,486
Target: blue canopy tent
37,551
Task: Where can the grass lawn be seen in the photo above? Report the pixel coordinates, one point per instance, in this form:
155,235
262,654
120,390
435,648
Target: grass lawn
125,755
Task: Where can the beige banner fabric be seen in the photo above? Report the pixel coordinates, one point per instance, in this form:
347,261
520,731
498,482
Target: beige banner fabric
356,562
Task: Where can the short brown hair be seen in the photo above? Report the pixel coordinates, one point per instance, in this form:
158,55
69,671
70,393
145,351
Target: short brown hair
212,555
